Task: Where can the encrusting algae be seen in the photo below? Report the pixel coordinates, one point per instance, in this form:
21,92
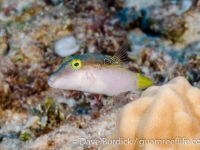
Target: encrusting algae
99,74
44,118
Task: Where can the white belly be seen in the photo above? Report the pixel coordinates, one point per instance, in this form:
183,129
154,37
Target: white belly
108,81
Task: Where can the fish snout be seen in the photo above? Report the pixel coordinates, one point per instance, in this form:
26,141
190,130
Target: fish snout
51,80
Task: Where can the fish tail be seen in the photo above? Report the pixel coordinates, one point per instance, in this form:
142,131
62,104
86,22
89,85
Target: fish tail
143,82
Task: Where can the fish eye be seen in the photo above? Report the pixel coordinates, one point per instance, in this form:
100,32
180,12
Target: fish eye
76,63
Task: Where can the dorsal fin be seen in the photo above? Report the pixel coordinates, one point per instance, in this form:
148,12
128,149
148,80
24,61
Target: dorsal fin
121,54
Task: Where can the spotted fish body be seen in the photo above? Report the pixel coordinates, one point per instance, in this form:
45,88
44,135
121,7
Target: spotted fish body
96,73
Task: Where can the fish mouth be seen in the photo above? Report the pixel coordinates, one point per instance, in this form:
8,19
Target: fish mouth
54,81
51,81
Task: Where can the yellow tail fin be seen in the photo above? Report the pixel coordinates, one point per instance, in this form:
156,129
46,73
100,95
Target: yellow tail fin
143,82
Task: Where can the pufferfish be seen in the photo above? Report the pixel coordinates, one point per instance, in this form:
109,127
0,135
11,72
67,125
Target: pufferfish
98,74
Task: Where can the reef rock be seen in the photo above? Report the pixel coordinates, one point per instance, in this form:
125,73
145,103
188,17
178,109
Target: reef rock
66,46
139,4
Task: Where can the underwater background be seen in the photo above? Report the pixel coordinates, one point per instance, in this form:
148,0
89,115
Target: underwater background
163,39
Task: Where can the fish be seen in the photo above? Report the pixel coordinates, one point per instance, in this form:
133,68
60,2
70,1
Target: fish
98,74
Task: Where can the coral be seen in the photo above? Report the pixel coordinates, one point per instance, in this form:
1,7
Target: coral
169,112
